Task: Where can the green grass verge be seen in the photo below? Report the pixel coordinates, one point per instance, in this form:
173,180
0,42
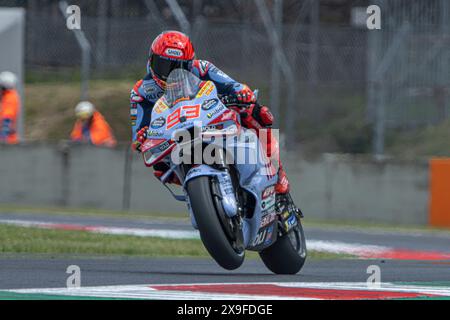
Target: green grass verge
22,240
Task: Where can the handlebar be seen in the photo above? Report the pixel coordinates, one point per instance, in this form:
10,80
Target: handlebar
232,100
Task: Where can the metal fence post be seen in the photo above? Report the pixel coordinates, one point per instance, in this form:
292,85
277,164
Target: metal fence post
85,54
284,66
445,56
102,31
314,41
275,72
179,16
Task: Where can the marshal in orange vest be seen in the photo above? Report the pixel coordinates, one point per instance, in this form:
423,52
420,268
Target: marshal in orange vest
93,130
9,113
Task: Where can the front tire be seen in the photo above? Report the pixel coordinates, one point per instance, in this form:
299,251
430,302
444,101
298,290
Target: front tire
211,230
288,254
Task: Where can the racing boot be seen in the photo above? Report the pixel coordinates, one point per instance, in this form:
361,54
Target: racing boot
287,211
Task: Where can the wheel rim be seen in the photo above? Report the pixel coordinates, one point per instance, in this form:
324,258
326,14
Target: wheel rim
297,240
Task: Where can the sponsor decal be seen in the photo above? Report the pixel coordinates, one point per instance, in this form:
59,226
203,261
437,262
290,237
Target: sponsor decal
208,92
172,52
163,146
133,118
260,237
269,235
135,97
158,123
215,112
203,66
149,89
152,92
268,192
212,127
267,203
133,112
263,236
133,123
209,104
206,89
154,133
267,219
290,223
160,106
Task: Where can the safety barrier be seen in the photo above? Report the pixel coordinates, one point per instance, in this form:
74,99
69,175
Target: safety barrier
326,187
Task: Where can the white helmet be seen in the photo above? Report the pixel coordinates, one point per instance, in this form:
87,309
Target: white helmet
8,80
84,109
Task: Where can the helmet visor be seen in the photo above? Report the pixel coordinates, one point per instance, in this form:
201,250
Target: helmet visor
162,66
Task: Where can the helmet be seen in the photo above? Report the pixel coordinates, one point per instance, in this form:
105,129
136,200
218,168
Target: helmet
170,50
84,110
8,80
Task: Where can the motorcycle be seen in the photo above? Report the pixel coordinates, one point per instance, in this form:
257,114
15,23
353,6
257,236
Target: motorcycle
232,202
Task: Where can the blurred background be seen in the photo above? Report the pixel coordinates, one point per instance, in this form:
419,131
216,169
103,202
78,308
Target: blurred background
341,93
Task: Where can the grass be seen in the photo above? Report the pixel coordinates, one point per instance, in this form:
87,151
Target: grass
22,240
15,239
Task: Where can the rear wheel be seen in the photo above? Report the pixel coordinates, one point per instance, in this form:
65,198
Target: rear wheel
221,236
288,254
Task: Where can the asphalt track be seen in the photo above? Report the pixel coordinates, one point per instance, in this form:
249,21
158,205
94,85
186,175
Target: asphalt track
33,271
48,272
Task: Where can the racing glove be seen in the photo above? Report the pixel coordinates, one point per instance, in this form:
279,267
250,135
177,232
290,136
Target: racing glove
257,116
140,138
245,95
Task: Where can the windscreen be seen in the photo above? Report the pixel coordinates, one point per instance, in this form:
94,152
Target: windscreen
181,84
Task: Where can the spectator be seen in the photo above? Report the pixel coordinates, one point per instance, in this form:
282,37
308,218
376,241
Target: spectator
9,108
91,126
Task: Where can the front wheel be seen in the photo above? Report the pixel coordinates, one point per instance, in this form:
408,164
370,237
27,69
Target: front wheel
288,254
213,232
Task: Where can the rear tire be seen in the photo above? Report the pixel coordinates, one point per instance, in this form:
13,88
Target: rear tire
288,254
211,230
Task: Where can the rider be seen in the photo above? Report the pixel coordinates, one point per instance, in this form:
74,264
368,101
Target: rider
171,50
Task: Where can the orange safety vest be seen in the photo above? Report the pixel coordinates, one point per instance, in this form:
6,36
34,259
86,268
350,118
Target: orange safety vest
10,109
99,131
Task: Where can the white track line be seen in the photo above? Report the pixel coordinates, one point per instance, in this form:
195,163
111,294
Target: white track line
147,292
139,232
